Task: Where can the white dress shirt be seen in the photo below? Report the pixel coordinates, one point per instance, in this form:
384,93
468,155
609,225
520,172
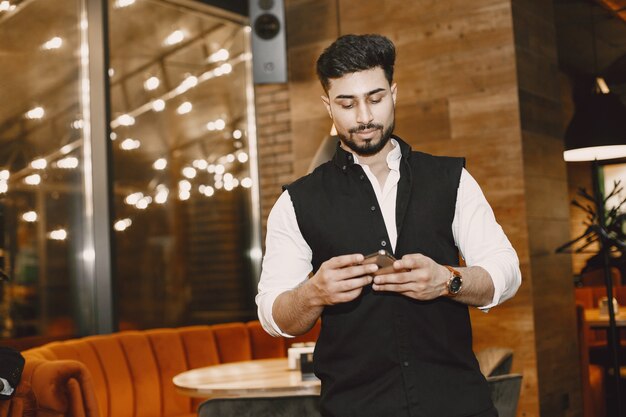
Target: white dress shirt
7,389
480,239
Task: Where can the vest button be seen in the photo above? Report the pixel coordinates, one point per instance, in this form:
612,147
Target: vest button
373,208
405,363
383,243
361,177
343,167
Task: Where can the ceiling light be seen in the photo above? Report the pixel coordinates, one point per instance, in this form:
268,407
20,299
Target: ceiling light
175,37
160,164
158,105
35,113
29,216
54,43
151,83
184,108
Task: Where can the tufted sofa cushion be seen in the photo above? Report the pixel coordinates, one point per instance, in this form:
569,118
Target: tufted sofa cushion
129,374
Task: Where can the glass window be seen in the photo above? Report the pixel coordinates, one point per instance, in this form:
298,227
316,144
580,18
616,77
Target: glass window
181,162
41,166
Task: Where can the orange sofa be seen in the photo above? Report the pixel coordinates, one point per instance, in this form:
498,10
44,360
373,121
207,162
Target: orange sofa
129,374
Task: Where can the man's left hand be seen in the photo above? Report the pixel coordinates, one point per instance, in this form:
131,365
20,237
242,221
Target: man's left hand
417,276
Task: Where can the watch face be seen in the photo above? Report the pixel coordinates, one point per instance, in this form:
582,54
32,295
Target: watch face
455,285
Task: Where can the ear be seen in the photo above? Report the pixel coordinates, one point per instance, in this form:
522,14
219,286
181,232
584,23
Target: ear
394,92
326,102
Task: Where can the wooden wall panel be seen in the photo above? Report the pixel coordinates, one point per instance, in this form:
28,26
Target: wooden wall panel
546,196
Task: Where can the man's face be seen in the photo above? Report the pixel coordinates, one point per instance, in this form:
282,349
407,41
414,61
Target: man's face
362,107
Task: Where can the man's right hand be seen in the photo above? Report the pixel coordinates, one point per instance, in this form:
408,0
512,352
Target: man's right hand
340,279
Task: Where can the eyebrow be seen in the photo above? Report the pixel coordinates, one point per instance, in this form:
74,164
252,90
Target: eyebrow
369,93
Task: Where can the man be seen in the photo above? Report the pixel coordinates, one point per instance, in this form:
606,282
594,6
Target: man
397,344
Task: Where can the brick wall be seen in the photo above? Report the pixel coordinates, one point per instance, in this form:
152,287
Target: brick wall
274,140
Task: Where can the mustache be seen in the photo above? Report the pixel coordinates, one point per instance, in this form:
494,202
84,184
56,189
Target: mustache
368,126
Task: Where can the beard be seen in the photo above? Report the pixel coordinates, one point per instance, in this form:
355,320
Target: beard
369,147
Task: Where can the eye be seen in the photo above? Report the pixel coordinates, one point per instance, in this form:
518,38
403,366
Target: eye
376,100
347,106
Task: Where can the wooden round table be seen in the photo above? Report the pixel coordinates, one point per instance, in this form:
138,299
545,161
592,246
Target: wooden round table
256,378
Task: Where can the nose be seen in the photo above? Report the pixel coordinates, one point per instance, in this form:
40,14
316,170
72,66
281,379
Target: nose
364,114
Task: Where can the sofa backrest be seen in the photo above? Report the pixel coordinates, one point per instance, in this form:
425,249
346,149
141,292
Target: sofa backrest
132,371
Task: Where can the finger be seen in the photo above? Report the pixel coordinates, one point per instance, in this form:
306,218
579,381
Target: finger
413,261
396,278
343,261
350,272
354,283
400,288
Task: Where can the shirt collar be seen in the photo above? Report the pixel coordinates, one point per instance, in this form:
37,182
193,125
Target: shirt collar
344,158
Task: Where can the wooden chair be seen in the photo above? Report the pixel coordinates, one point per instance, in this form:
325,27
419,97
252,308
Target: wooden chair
288,406
592,376
505,392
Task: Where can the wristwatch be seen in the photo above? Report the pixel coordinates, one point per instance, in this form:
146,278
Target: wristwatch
455,283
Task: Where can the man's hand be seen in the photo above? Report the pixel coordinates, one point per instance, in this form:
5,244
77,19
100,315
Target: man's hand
417,276
340,280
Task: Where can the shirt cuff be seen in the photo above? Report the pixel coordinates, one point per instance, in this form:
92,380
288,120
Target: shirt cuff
8,389
498,284
265,302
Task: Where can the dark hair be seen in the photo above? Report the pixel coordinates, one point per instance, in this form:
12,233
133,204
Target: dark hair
354,53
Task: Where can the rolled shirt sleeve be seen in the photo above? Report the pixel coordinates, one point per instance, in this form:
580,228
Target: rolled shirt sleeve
482,241
286,264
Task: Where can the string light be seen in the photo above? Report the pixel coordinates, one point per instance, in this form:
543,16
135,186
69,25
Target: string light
69,162
219,169
221,55
162,194
58,234
175,37
33,179
5,6
220,124
246,182
237,134
210,169
5,174
36,113
189,172
54,43
184,108
184,185
230,158
151,83
29,216
123,3
4,187
39,163
160,164
158,105
111,72
143,202
125,120
133,198
189,82
122,224
78,124
242,157
200,164
113,136
129,144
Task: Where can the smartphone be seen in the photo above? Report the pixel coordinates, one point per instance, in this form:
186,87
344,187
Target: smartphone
383,259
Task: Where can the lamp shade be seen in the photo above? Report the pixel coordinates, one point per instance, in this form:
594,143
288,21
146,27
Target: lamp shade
597,130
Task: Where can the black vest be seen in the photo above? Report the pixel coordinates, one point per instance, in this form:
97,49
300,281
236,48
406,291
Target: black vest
385,354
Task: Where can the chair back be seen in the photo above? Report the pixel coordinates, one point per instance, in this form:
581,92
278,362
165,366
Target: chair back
505,392
495,361
287,406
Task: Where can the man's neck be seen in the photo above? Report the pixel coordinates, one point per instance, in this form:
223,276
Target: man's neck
378,163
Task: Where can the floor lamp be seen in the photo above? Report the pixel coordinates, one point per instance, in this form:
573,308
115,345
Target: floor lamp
598,132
